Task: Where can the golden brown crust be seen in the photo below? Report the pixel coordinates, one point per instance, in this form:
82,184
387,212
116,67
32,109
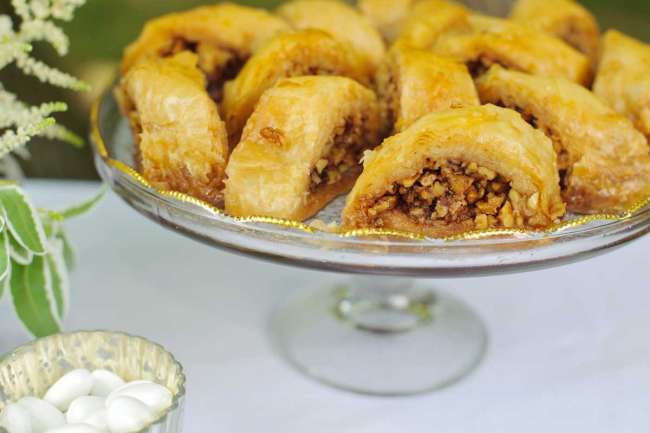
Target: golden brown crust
181,140
566,19
456,170
387,16
412,83
428,19
307,52
223,35
341,21
623,78
605,160
495,41
301,147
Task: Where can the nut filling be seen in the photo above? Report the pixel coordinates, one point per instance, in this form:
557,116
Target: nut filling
455,192
219,64
348,144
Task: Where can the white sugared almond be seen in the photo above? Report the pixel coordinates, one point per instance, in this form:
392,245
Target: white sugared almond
127,414
83,407
16,419
105,382
73,384
44,415
157,397
75,428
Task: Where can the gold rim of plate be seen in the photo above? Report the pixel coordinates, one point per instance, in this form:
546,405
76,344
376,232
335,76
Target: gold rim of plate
100,147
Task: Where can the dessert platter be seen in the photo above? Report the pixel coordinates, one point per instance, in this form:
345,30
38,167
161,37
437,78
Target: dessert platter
394,139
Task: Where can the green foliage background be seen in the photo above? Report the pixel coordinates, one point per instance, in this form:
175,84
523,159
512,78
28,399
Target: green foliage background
103,27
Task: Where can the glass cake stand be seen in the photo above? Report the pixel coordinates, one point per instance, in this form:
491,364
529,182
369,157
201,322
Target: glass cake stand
379,333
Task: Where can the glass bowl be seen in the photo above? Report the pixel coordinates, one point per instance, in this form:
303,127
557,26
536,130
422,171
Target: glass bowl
31,369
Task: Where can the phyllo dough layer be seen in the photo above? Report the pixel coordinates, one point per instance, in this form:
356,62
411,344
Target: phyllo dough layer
566,19
387,16
604,162
458,170
412,83
301,147
308,52
340,20
428,19
223,36
181,141
492,41
623,78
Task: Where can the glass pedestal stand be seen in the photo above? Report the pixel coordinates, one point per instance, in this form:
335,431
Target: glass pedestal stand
375,334
380,336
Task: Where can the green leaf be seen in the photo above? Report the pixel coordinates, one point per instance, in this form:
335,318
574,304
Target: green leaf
83,207
18,253
59,273
5,260
31,289
22,219
69,256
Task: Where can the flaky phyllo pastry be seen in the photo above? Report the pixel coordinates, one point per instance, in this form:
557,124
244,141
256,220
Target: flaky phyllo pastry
387,16
301,147
181,141
623,78
489,41
307,52
412,83
566,19
223,36
428,19
459,170
341,21
604,162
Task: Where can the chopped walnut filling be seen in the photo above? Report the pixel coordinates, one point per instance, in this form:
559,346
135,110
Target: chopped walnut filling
454,192
348,144
389,100
219,64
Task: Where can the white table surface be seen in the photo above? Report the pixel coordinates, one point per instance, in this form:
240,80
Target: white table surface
569,348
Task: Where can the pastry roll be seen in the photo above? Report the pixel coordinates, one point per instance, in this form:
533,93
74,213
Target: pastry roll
341,21
623,78
223,36
412,83
495,41
387,16
566,19
456,171
604,162
181,142
301,147
428,19
308,52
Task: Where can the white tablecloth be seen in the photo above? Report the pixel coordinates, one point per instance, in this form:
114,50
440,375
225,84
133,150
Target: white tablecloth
569,348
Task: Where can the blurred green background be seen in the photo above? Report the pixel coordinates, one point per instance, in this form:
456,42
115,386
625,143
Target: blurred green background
103,27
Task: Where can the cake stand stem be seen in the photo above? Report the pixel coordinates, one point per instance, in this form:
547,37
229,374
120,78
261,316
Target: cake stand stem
380,336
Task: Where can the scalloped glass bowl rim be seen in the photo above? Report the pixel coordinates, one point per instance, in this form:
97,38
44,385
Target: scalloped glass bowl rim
176,400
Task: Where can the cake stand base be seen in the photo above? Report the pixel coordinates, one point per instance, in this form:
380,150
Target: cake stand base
380,336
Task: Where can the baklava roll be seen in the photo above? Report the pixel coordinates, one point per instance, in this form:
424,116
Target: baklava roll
623,78
566,19
387,16
223,36
412,83
455,171
604,162
181,142
428,19
307,52
341,21
495,41
301,147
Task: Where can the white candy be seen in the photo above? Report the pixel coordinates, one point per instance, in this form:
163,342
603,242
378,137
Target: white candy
157,397
83,407
98,419
127,414
15,419
44,416
72,385
75,428
105,382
